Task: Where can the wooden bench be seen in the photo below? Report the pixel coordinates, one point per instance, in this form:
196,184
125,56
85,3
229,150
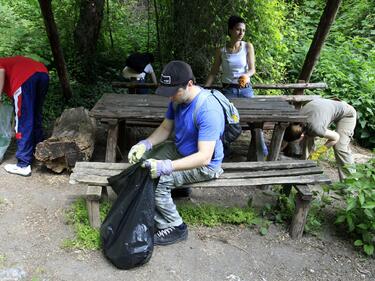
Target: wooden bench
291,173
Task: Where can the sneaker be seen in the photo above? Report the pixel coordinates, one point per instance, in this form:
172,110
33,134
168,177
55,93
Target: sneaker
171,235
14,169
181,192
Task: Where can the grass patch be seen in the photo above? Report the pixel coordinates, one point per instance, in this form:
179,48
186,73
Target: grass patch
86,237
212,215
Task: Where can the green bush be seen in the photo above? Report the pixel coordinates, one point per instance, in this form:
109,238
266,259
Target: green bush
359,215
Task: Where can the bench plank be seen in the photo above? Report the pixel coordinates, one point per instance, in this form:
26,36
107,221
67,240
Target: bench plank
254,166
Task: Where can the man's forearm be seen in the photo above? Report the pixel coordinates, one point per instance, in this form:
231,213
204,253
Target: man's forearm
160,134
332,138
192,161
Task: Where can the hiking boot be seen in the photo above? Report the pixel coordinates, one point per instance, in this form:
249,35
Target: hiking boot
181,192
171,235
14,169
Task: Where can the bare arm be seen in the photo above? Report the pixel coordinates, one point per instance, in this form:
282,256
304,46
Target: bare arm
332,138
198,159
215,69
250,59
153,78
162,132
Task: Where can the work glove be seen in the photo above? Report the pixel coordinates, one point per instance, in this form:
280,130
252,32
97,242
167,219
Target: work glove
317,153
137,151
158,167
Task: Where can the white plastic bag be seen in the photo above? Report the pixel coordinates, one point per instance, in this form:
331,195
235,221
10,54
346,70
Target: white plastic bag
6,112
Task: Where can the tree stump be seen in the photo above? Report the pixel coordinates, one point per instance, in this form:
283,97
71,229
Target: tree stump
72,140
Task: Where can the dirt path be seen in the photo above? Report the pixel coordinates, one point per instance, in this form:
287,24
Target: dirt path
33,230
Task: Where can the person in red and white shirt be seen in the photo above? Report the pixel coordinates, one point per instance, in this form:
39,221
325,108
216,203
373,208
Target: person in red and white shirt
25,81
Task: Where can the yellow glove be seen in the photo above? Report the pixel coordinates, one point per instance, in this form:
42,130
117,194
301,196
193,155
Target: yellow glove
316,154
137,151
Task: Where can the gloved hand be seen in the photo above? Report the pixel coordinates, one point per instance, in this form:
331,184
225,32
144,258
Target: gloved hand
137,151
158,167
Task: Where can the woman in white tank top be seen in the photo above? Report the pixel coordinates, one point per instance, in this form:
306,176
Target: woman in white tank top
237,61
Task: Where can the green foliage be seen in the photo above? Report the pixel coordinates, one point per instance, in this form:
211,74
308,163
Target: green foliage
188,35
359,215
284,210
281,32
212,215
86,236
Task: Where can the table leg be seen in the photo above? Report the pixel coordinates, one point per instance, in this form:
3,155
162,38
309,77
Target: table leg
255,151
276,141
110,155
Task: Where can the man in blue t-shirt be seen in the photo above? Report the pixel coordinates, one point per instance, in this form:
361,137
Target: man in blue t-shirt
194,156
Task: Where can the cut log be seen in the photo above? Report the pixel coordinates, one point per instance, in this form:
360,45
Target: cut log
72,140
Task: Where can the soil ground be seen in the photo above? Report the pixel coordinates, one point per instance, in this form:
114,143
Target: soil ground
33,228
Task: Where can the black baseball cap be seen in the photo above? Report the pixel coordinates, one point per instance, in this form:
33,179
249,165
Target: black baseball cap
176,74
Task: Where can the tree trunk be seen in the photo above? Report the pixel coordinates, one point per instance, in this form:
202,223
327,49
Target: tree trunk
53,36
72,140
86,36
320,36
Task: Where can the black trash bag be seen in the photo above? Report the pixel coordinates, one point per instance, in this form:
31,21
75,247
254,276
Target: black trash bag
127,232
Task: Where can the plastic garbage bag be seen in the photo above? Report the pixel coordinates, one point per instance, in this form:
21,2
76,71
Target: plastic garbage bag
6,112
127,232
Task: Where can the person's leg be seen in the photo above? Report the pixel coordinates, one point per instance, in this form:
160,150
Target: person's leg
345,128
246,92
42,88
167,214
24,106
230,92
25,112
171,228
142,91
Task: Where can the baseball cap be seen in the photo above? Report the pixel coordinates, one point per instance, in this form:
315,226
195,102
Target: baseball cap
176,74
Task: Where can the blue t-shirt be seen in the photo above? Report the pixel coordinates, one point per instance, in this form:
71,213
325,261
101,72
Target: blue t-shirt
210,127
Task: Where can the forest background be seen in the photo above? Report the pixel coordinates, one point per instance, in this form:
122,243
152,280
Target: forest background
95,48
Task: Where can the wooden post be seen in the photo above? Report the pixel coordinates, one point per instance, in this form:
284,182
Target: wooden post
93,195
303,200
110,155
277,139
255,152
326,20
53,36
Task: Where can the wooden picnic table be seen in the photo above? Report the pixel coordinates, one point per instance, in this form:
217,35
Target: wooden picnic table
254,112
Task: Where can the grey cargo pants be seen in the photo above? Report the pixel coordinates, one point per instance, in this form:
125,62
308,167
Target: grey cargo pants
166,211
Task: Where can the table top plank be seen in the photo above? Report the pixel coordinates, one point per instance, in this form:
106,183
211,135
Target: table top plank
151,107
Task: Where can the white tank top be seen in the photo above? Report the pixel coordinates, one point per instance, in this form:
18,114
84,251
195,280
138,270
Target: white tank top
233,65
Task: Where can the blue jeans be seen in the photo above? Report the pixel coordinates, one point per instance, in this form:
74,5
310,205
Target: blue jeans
238,92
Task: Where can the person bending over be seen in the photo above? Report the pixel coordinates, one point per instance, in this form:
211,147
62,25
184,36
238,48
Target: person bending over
25,81
321,114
